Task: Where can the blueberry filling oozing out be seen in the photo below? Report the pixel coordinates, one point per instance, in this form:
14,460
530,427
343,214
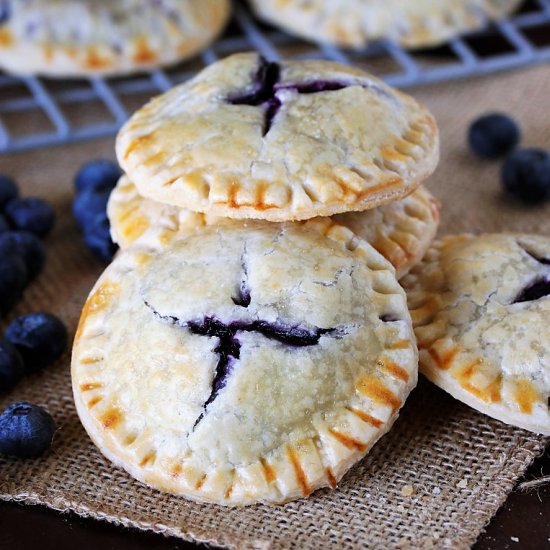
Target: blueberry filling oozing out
263,93
314,87
229,347
266,86
538,289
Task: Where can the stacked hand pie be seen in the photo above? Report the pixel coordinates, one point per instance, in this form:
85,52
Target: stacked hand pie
244,346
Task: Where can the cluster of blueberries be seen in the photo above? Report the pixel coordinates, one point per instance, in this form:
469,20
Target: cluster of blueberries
23,222
35,341
31,343
526,172
94,183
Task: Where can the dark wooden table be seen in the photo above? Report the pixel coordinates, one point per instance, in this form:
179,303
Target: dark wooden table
522,523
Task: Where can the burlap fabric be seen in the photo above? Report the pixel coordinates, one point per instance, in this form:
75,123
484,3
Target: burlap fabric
434,481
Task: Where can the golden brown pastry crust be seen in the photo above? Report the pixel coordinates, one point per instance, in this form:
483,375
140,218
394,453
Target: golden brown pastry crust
74,38
481,315
354,23
248,139
288,416
401,231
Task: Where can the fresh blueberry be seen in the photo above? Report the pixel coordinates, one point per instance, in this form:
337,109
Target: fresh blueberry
88,205
97,175
40,338
26,430
98,239
5,11
526,175
8,190
494,135
31,214
3,224
13,278
26,245
12,367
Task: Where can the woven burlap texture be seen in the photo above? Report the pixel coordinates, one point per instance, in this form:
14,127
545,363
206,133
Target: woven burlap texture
434,481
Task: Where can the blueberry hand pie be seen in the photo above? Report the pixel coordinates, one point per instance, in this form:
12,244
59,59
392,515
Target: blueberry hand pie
481,310
64,38
354,23
244,363
248,138
401,231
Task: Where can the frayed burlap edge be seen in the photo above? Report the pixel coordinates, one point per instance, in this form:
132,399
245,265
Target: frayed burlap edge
513,468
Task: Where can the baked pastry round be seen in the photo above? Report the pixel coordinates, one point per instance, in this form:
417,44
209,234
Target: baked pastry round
251,139
354,23
66,38
131,215
480,307
246,362
401,231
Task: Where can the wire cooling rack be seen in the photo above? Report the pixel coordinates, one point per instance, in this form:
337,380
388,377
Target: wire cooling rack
36,112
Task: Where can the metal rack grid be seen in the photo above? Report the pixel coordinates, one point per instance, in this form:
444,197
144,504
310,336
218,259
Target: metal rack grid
50,112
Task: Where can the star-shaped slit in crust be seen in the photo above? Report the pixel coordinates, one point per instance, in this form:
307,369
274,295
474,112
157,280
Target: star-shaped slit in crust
267,87
228,347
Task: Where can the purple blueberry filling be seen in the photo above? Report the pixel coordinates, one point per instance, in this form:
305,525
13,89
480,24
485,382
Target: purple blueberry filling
290,335
229,347
244,298
266,86
263,92
535,291
263,87
273,107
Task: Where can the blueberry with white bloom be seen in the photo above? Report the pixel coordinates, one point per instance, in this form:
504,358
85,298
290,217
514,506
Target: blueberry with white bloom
26,430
